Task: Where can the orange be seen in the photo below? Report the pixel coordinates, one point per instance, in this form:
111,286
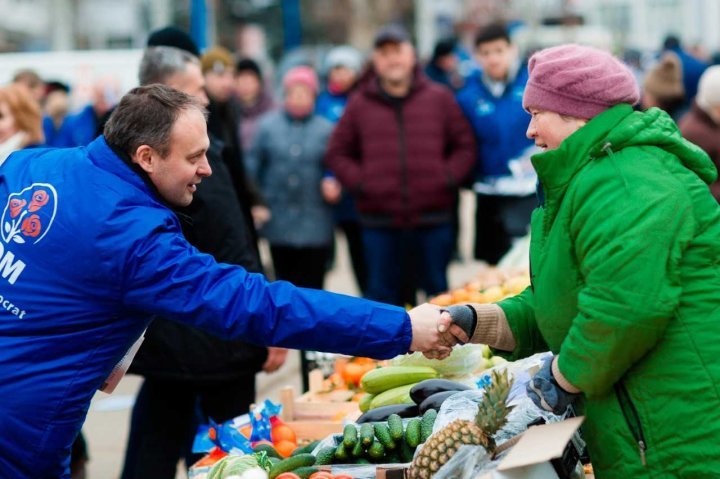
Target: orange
285,448
321,475
288,475
283,432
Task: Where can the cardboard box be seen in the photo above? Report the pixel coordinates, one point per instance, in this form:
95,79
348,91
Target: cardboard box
541,452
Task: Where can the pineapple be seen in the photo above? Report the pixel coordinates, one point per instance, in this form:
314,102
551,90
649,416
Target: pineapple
491,416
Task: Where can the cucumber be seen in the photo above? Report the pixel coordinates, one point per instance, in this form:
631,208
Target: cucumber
350,436
412,433
396,427
376,450
341,454
383,379
268,449
367,434
406,452
358,450
275,460
306,449
291,463
398,395
325,456
362,460
383,413
426,424
382,433
305,472
364,403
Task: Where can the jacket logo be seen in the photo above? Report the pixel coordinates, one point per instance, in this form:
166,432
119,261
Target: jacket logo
29,214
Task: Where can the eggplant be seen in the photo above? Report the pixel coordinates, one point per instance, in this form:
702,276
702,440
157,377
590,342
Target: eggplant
382,413
424,389
435,401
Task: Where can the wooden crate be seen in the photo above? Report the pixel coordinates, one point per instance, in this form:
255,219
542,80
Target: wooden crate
316,416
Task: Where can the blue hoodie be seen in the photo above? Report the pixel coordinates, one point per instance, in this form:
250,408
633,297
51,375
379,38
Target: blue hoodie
88,252
499,123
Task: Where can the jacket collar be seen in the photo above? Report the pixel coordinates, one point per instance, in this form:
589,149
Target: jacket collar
370,84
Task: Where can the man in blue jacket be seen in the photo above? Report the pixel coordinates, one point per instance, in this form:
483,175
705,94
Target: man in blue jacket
504,179
89,250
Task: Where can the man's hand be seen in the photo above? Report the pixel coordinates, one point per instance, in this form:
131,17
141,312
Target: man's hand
430,334
331,190
545,391
462,321
276,358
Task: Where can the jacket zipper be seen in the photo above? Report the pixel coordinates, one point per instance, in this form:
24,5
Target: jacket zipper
404,187
632,418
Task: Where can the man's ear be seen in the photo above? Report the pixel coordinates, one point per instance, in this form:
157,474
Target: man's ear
146,157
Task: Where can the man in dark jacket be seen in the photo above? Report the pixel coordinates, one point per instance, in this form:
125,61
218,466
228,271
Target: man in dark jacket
402,147
182,365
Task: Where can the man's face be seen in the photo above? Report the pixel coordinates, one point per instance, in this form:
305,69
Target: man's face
191,82
394,62
220,85
177,175
495,58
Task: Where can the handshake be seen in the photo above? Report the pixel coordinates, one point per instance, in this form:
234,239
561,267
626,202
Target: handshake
436,330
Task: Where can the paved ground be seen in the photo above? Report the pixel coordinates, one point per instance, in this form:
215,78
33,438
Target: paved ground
106,427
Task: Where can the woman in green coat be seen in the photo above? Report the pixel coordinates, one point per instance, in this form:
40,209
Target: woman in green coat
625,269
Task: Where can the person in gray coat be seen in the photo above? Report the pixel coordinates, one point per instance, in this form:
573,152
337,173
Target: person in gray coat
286,160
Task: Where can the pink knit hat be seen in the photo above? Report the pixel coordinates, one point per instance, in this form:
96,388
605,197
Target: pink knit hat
303,75
578,81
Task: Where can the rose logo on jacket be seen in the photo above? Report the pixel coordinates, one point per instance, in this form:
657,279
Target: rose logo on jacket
29,214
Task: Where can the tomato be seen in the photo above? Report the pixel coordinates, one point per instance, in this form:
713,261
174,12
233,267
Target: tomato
288,475
321,475
344,476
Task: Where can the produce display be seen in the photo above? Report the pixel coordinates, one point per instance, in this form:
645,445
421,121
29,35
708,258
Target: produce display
491,286
441,446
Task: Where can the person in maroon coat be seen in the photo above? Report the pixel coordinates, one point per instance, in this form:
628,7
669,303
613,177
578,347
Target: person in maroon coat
701,125
402,147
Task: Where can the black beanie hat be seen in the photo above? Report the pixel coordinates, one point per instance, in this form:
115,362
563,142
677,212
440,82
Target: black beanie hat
173,37
248,65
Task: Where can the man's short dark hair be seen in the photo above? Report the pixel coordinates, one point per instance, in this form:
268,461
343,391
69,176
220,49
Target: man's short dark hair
492,32
145,116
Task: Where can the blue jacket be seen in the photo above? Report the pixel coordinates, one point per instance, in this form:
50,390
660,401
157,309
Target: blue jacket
87,253
499,123
78,129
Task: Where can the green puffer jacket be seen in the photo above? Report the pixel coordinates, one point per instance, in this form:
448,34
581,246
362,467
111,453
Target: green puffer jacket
625,266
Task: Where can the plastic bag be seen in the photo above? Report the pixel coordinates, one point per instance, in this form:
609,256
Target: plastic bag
463,361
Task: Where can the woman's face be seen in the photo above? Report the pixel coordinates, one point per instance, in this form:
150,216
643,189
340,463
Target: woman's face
7,122
549,129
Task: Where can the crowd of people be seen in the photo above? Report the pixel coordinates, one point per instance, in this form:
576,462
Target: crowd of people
378,148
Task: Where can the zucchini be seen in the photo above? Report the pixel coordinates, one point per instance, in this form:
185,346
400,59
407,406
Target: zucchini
424,389
383,413
398,395
291,463
382,379
382,433
364,403
306,471
325,456
367,434
426,424
412,432
306,449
